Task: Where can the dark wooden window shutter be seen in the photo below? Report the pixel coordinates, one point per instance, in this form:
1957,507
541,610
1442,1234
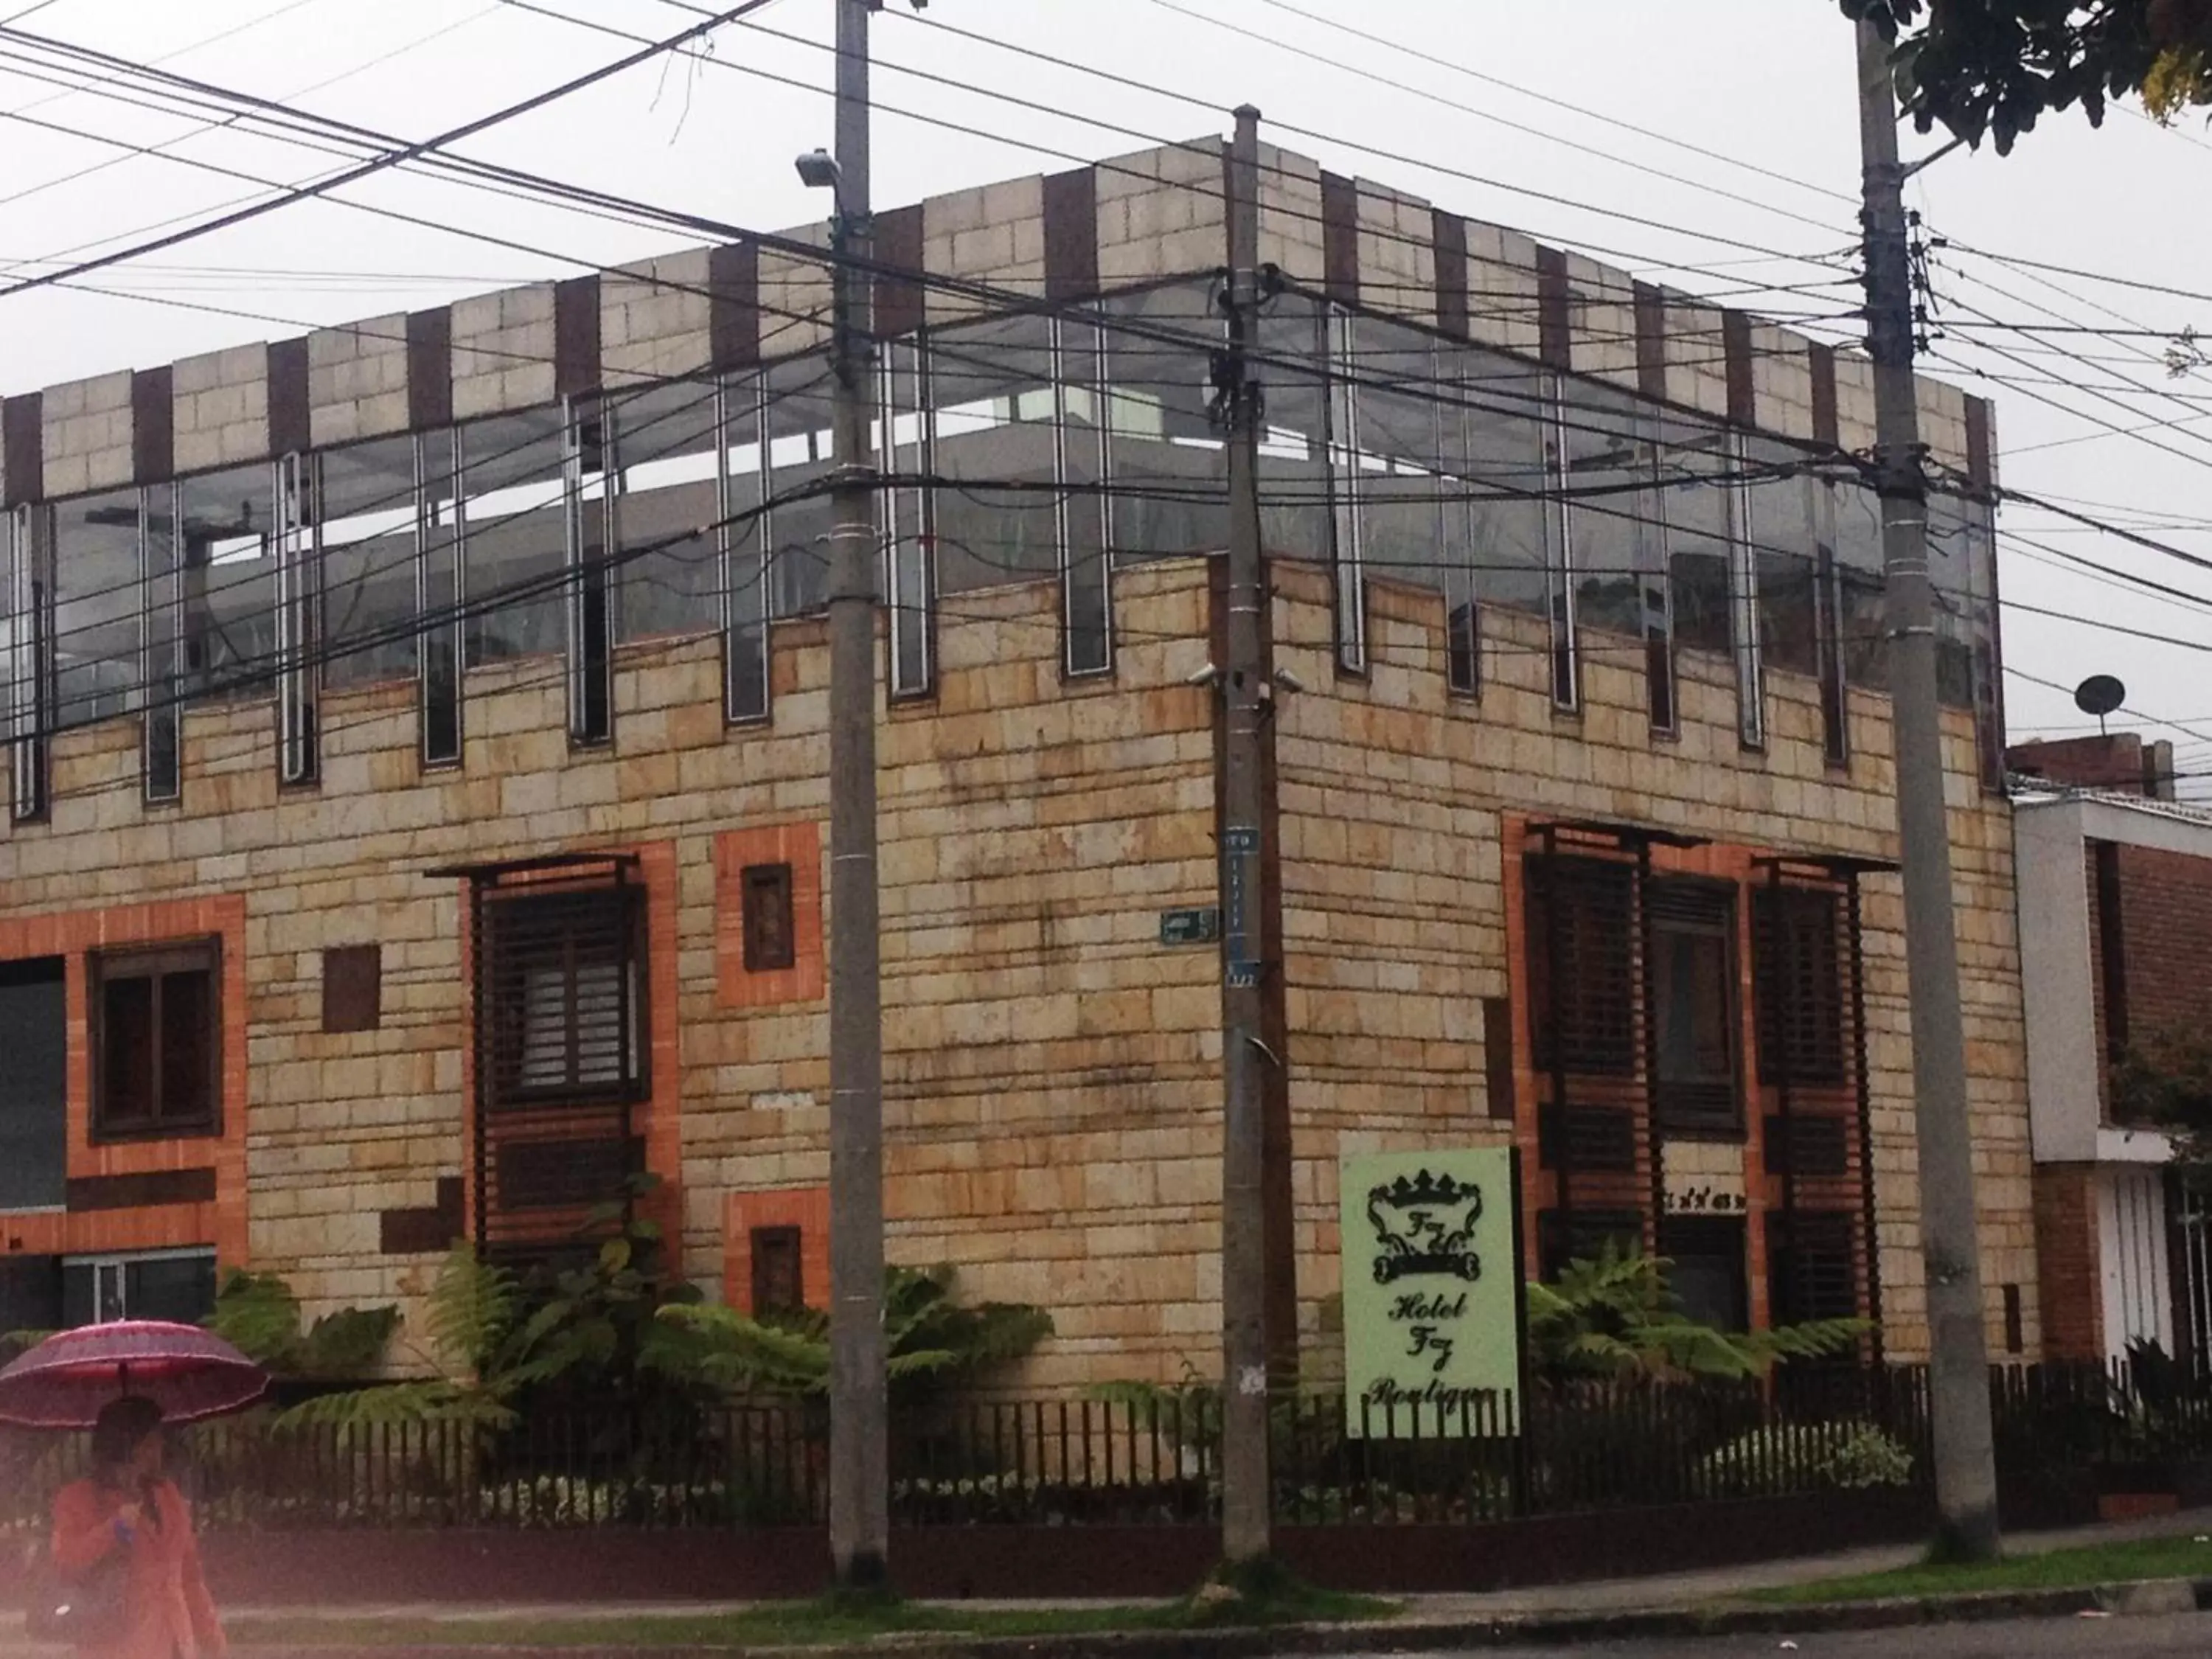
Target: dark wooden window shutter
1690,982
562,989
353,987
157,1042
1582,935
765,894
779,1278
1798,981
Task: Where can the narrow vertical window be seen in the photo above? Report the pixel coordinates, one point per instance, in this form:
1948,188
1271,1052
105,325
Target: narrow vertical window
778,1278
1559,561
163,585
30,649
1462,610
591,598
1086,596
1743,589
440,584
297,614
1828,614
902,447
770,939
745,545
1344,459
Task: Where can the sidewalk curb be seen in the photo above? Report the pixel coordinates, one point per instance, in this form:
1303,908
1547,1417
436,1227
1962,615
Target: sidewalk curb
1538,1630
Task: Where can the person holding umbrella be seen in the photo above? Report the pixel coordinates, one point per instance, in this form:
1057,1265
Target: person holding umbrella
123,1568
129,1507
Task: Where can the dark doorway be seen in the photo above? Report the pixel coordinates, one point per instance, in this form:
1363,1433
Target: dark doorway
33,1085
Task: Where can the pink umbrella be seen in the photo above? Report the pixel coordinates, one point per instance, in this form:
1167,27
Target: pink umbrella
190,1374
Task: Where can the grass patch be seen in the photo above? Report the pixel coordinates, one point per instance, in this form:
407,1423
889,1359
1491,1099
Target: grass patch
823,1623
2074,1569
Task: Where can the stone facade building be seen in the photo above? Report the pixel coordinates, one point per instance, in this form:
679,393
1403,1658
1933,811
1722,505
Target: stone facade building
419,777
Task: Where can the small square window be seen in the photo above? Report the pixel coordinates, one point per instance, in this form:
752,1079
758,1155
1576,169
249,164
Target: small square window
779,1278
157,1042
769,943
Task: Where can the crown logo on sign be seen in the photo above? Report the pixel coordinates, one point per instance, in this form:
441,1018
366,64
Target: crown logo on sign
1425,1224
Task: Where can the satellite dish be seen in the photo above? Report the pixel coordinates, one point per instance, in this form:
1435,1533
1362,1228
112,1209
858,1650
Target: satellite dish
2099,695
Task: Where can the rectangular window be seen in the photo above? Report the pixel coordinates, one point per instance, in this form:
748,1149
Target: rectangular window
1864,586
1835,693
162,592
176,1285
157,1042
1798,984
1401,409
1085,530
299,625
34,1133
1346,444
800,447
1562,601
590,596
560,993
97,609
514,530
769,936
1161,439
994,421
441,587
30,660
1581,958
778,1283
1691,984
365,529
1744,607
1811,1266
1698,505
663,479
1786,554
1708,1276
901,442
744,542
226,552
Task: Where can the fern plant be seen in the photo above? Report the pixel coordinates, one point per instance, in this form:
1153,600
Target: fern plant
258,1314
1616,1316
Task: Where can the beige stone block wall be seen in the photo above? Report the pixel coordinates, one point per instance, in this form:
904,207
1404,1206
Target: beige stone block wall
86,440
654,322
1290,215
1161,212
1397,252
1781,381
1602,321
1855,423
1502,304
992,235
503,351
357,380
794,296
222,408
1697,356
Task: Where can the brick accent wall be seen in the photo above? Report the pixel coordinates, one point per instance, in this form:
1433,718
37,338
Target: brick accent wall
2067,1253
2165,919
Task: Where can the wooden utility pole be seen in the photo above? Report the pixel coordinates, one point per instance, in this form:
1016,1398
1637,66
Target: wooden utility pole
1244,688
1958,1382
860,1497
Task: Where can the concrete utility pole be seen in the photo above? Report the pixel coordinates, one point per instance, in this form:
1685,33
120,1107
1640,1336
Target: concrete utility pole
1965,1463
860,1481
1244,1468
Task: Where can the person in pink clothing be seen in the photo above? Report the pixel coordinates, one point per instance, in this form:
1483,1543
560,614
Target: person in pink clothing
128,1504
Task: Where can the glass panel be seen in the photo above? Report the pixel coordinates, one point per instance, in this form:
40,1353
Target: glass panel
366,525
799,445
1401,445
96,607
993,408
590,598
902,447
744,571
180,1289
440,593
161,755
1865,590
1088,597
514,530
1294,473
227,547
1689,979
1170,468
666,487
1612,509
1507,479
1787,549
1693,459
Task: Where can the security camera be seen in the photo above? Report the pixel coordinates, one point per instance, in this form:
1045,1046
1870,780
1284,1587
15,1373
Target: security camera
1289,681
1205,674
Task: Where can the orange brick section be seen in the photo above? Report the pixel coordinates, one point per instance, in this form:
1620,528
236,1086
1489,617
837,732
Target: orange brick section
806,1208
73,936
799,845
2066,1246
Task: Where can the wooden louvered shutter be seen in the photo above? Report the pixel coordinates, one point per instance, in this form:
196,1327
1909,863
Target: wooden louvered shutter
560,990
1812,1269
1582,935
1799,983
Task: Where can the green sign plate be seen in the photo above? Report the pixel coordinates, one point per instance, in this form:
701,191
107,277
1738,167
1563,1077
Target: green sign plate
1189,926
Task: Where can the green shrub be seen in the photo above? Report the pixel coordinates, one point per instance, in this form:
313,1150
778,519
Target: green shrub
1847,1456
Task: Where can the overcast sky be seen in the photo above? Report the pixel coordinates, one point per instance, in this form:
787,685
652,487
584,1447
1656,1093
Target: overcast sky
1766,83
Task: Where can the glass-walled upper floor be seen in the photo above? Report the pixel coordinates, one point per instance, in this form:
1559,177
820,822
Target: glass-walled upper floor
1034,447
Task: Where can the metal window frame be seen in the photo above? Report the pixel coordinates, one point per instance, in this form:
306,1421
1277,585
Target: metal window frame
590,579
1463,591
1743,604
748,601
1068,504
909,562
299,597
162,649
1565,611
1347,540
1654,581
31,667
1828,632
446,639
155,962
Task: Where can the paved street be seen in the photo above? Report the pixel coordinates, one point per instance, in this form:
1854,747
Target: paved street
2146,1637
